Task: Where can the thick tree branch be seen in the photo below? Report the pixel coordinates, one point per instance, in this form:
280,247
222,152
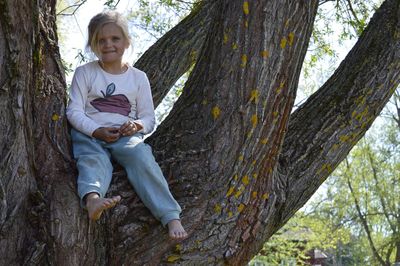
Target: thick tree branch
173,54
325,128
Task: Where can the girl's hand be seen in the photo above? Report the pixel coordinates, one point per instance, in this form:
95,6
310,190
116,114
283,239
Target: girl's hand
129,128
107,134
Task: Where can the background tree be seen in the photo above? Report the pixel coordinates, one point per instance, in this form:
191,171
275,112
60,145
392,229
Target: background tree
238,160
362,194
303,233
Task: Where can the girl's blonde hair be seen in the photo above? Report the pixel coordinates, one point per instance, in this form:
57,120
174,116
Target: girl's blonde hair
97,23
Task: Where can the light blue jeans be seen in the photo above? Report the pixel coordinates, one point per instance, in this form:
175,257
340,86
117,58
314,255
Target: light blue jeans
95,171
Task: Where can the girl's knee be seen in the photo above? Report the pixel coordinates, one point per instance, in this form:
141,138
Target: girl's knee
96,161
138,154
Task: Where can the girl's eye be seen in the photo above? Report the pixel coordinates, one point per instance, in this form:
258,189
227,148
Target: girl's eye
116,38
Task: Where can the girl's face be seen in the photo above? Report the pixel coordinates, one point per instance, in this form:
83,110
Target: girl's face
111,44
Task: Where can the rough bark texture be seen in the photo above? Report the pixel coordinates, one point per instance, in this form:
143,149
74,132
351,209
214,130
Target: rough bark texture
238,102
235,161
41,222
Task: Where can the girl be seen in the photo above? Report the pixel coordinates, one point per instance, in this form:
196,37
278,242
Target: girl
110,109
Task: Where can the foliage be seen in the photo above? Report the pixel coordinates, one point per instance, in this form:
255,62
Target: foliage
303,233
157,17
354,16
338,24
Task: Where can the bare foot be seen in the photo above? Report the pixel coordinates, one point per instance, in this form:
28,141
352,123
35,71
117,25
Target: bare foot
96,205
176,230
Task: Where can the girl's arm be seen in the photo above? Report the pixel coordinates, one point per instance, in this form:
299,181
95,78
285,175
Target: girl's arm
76,105
145,107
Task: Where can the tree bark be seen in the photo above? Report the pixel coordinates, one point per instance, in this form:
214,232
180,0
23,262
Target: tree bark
226,129
224,148
41,222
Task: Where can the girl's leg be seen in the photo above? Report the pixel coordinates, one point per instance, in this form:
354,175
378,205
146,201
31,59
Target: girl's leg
146,177
95,172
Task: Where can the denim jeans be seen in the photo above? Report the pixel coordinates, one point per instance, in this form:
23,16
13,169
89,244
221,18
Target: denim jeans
95,171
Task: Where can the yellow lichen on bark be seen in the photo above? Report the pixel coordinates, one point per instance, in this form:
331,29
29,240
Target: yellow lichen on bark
246,10
216,112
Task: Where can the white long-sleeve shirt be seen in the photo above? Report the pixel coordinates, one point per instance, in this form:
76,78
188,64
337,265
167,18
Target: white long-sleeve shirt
100,99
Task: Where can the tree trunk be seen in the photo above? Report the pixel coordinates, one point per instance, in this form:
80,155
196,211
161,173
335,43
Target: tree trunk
222,138
364,223
233,163
397,258
41,222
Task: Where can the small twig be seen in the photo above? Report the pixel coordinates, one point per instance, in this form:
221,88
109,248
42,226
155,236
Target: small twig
353,13
321,2
75,6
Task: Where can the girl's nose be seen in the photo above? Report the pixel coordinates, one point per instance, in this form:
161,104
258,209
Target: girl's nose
106,43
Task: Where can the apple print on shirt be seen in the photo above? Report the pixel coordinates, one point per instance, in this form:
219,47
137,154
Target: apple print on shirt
112,103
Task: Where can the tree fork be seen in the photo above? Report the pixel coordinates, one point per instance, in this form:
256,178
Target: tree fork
218,148
232,115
